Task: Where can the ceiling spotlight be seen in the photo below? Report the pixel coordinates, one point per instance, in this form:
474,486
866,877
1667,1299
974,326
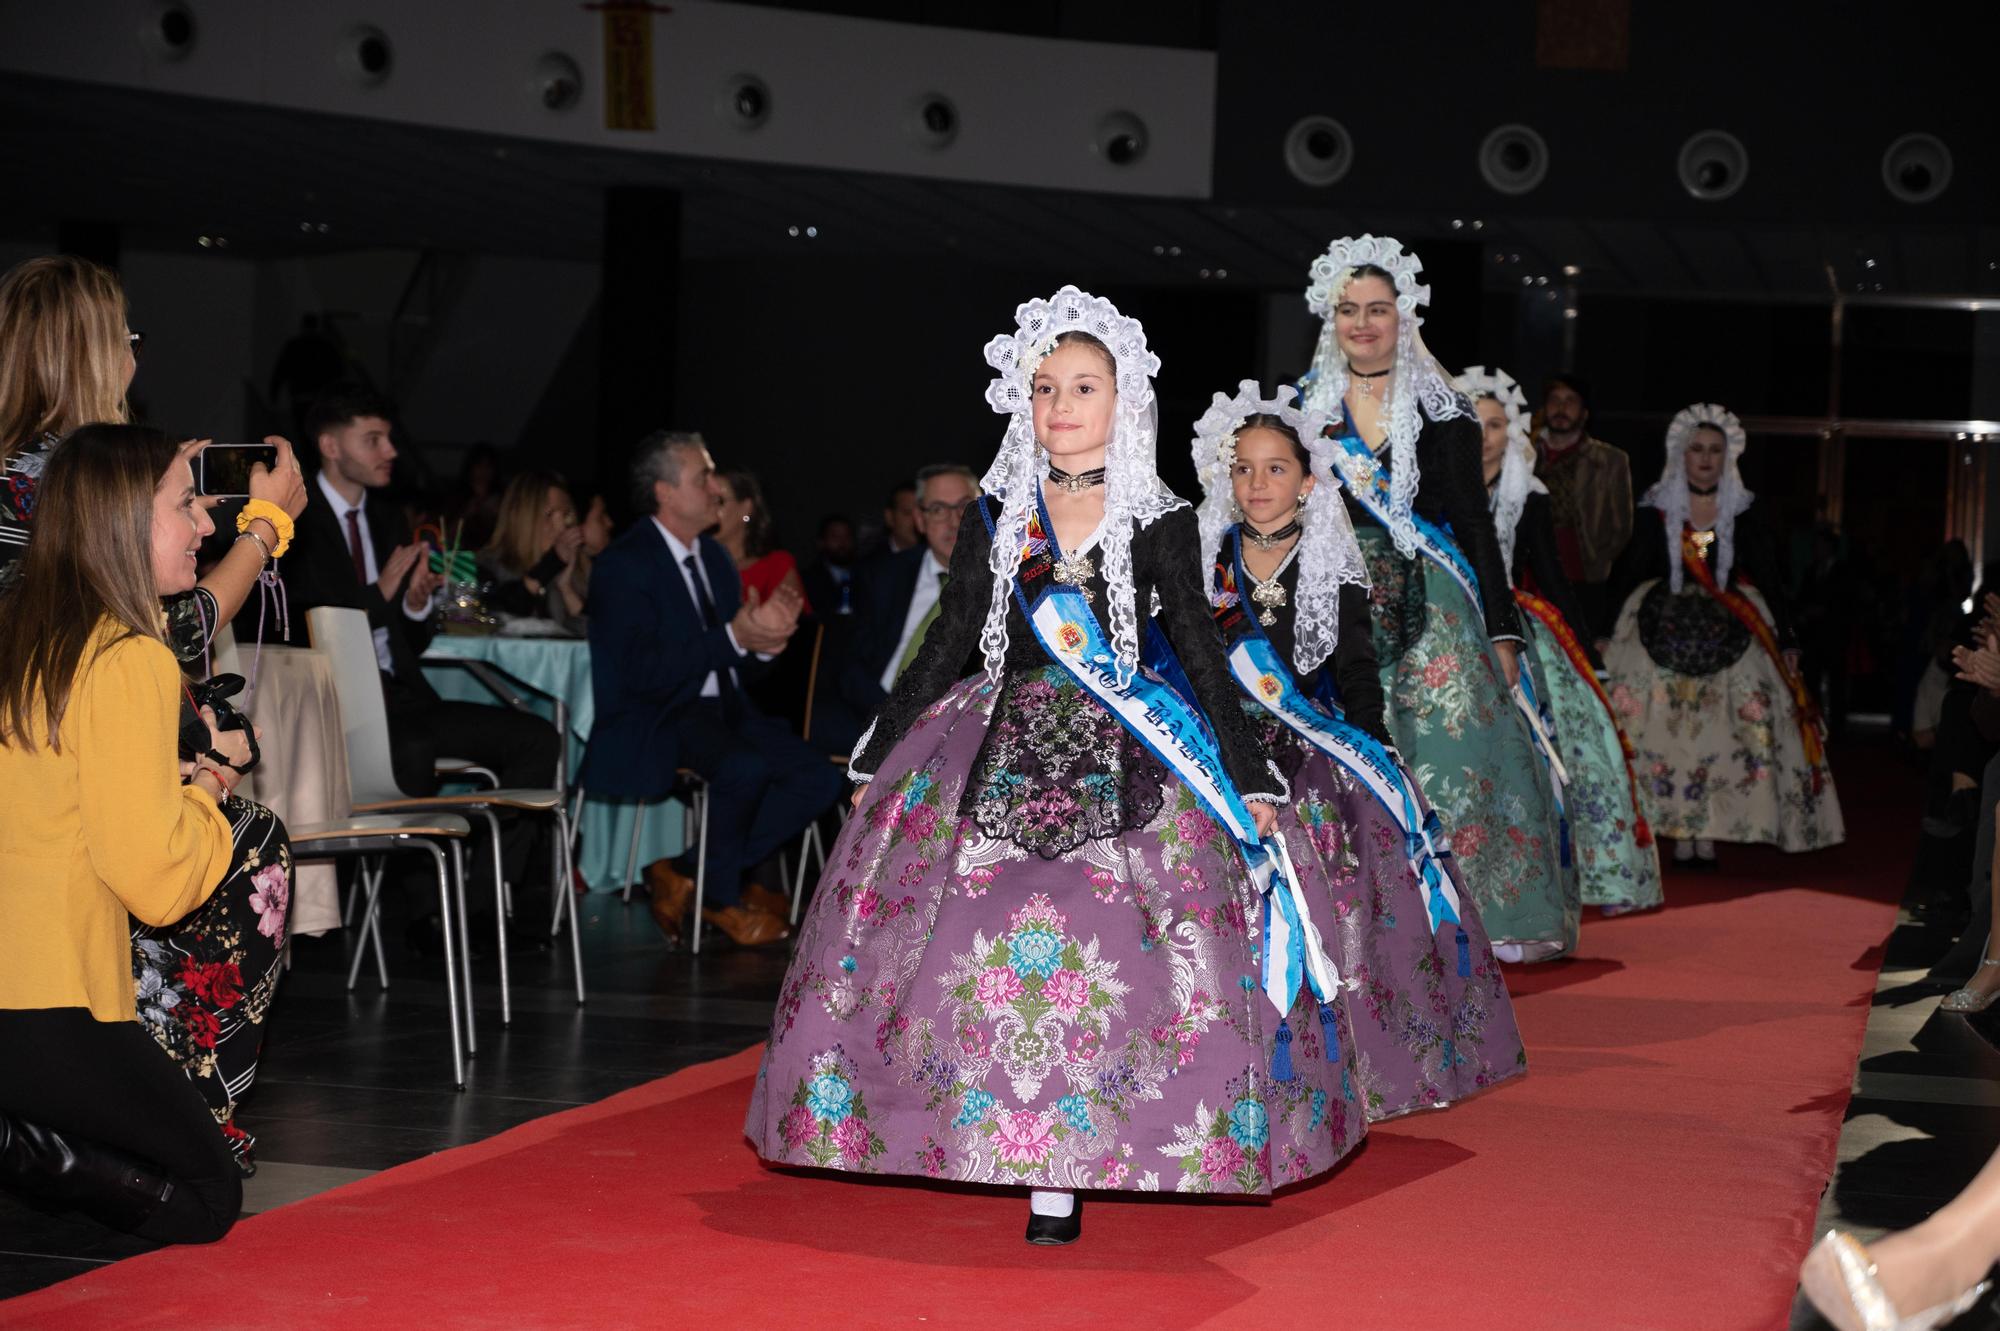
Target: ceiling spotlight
933,120
556,82
1571,270
1458,224
745,101
1541,281
791,231
1916,168
1121,138
1867,263
1513,159
1318,150
812,232
1222,272
172,32
1174,251
1713,165
1204,272
366,55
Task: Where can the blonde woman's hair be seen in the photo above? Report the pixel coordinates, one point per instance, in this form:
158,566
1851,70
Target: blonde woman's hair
62,349
513,546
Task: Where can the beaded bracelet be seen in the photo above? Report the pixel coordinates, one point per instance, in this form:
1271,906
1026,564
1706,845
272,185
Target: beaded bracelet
281,522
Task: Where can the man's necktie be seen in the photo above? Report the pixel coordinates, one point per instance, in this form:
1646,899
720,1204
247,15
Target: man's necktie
701,596
923,627
354,545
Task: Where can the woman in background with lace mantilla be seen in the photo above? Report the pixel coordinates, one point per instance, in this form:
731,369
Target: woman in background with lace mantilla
1617,863
1430,1014
1703,665
1033,959
1447,633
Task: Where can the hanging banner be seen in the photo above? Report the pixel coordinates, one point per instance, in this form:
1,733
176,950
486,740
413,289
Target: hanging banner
628,63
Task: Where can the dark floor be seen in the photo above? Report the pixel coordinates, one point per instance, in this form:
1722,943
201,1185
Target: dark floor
1926,1110
354,1083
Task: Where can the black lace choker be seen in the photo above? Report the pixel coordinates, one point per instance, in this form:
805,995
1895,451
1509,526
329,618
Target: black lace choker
1694,489
1368,374
1265,540
1078,483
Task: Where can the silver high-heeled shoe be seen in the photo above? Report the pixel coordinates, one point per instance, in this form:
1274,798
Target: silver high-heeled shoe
1970,1000
1840,1281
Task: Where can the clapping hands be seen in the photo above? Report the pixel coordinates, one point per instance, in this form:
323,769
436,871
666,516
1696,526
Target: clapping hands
1981,665
765,624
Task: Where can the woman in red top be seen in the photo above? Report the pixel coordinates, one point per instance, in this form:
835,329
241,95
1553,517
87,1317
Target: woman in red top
745,532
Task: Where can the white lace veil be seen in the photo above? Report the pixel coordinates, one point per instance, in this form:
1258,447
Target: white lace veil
1517,468
1669,494
1329,556
1416,384
1134,495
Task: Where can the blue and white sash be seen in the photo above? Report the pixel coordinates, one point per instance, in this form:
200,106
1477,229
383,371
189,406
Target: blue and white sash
1173,731
1367,480
1263,676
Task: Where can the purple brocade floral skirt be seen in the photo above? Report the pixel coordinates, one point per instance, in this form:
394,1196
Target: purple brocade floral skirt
1424,1035
1031,960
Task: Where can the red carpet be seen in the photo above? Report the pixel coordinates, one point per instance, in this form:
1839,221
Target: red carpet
1659,1167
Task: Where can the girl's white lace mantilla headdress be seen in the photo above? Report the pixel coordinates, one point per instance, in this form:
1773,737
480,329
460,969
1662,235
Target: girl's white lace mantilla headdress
1517,468
1134,496
1670,494
1417,384
1328,554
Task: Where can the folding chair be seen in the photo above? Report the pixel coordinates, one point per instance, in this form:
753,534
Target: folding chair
346,638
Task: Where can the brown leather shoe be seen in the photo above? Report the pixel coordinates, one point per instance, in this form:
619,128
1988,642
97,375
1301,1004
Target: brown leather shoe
758,897
748,928
670,893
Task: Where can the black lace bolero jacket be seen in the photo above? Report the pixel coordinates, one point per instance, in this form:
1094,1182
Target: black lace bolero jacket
1645,558
1451,488
1356,670
1166,559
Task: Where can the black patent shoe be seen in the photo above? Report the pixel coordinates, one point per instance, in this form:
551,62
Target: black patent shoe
1054,1231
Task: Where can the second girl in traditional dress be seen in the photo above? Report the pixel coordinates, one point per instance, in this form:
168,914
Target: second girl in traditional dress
1617,863
1729,747
1431,1018
1446,630
1035,957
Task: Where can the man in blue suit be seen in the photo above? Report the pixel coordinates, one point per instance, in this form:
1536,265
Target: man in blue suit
672,640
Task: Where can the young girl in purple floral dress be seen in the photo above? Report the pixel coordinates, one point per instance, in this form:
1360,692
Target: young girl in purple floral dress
1431,1018
1036,957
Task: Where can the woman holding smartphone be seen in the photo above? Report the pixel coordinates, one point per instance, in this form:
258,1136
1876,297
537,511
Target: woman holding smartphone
144,909
67,358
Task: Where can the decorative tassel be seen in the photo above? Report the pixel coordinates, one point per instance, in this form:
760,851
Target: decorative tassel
1329,1025
1642,835
1281,1060
1464,955
1563,835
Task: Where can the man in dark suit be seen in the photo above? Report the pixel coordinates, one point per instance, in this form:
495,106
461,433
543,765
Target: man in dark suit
896,596
350,552
672,641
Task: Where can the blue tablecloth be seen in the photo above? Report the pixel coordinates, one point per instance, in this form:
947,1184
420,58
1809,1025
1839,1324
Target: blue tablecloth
561,667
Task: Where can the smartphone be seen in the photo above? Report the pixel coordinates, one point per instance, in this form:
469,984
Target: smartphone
223,470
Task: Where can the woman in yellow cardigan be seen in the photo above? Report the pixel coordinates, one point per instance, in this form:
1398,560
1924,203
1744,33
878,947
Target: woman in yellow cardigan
102,1102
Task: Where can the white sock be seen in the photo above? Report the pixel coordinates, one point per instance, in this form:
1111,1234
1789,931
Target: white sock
1055,1205
1704,850
1683,851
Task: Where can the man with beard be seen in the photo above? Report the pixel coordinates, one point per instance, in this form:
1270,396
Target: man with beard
1590,491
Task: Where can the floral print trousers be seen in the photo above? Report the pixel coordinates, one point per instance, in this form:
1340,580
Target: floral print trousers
205,982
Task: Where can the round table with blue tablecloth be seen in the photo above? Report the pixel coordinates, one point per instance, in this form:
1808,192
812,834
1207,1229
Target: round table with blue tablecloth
560,668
